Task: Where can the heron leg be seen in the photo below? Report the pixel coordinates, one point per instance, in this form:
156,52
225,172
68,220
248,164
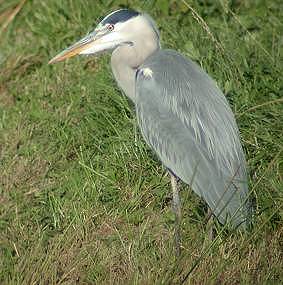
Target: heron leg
209,225
177,210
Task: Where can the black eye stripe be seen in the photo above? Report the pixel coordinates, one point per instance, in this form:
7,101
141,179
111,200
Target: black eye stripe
119,16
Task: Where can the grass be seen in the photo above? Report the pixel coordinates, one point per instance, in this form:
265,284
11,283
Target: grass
82,199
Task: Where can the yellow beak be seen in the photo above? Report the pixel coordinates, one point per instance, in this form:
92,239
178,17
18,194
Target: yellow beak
74,49
94,43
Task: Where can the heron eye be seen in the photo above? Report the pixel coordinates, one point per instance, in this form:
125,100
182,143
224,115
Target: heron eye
110,27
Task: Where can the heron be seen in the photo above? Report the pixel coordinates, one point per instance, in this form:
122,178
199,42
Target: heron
182,114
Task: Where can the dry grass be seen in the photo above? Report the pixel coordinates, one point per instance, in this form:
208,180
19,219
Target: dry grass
82,198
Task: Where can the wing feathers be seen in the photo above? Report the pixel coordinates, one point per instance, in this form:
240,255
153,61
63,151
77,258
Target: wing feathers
186,119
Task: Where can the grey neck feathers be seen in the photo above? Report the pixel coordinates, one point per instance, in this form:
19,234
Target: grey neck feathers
127,58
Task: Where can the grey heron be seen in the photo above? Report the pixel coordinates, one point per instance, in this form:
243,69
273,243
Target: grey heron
182,114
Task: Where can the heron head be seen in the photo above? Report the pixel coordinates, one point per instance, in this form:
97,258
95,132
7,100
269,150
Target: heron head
121,27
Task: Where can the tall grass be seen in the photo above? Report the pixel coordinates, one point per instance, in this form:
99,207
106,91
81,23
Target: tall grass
82,198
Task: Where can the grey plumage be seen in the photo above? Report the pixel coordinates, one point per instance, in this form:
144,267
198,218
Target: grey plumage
181,112
196,137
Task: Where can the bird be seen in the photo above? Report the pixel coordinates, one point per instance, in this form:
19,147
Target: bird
182,114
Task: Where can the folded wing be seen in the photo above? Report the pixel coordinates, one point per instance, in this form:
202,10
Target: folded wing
187,120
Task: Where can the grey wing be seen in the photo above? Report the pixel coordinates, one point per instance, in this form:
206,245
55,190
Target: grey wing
186,119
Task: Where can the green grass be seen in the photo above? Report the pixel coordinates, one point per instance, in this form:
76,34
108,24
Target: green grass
82,199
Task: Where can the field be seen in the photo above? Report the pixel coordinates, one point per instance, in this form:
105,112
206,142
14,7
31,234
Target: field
83,200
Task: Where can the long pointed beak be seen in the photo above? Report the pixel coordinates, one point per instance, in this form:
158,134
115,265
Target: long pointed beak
77,48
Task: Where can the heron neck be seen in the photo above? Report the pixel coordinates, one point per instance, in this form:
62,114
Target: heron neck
125,61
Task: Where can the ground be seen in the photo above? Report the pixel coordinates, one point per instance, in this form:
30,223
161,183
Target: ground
83,200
